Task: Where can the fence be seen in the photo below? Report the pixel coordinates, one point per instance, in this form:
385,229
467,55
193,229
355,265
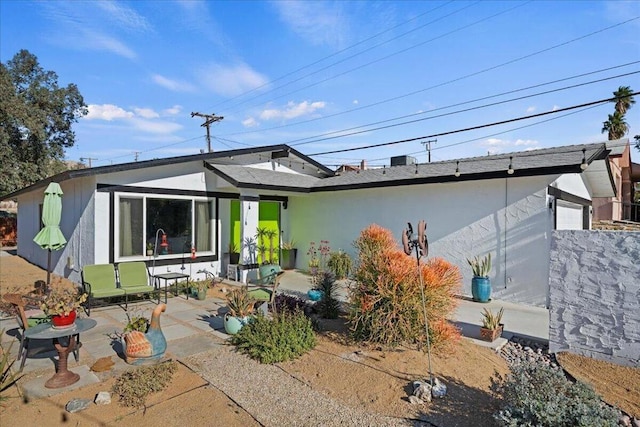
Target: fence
594,284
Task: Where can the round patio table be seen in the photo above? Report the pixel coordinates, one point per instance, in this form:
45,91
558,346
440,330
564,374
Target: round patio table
63,377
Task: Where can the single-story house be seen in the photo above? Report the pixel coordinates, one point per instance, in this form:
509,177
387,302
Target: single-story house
506,205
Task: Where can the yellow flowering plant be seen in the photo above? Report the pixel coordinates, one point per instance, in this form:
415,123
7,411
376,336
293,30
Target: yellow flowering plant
62,299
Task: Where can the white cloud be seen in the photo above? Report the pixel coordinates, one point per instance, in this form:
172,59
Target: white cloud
250,122
317,22
155,126
355,102
531,109
140,119
292,110
555,108
176,109
231,80
107,112
124,16
494,142
526,142
173,85
146,113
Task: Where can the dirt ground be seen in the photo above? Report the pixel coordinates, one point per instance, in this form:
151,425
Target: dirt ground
363,377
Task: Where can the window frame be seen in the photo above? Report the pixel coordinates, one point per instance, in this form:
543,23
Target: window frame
118,195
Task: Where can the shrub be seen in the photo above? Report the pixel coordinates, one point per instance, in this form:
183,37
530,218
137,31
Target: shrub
535,394
285,337
328,306
288,302
7,377
340,264
134,386
386,301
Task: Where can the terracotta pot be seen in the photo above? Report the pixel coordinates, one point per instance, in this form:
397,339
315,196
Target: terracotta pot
62,321
491,334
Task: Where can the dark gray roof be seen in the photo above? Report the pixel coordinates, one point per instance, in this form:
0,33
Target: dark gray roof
250,177
526,163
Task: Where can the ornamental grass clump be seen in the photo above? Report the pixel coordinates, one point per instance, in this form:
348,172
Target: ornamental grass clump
134,386
285,337
535,394
386,302
340,264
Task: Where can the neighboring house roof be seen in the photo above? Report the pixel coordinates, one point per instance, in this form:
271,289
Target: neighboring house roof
233,167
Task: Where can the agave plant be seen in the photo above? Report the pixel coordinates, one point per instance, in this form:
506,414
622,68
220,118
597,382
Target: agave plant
491,320
480,266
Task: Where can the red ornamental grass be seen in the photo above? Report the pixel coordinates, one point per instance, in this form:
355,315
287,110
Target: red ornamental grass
387,301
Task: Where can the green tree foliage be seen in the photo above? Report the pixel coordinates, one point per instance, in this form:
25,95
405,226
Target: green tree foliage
616,126
35,121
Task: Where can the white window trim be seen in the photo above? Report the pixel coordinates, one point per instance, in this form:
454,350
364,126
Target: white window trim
144,197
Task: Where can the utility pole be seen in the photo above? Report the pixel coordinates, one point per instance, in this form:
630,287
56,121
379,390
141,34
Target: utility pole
428,147
136,153
82,159
208,120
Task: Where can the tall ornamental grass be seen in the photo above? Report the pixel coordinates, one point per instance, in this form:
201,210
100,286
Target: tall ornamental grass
386,302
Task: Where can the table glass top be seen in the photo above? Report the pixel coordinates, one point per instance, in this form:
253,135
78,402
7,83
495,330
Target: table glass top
47,331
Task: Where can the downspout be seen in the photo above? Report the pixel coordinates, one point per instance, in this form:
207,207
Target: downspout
506,204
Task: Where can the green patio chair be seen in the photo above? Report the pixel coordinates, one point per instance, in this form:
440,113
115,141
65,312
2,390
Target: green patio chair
99,282
134,279
264,288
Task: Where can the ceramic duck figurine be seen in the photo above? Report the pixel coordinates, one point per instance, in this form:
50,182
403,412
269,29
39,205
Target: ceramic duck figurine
140,347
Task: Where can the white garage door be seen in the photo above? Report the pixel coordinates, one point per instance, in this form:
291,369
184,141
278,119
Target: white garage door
568,216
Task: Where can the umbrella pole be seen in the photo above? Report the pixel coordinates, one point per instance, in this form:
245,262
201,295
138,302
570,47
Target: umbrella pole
48,269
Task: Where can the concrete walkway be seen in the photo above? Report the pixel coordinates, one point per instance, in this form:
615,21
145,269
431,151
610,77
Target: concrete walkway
192,326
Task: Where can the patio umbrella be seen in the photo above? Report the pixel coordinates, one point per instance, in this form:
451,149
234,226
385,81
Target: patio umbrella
50,237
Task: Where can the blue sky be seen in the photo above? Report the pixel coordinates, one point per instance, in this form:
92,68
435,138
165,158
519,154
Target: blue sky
308,73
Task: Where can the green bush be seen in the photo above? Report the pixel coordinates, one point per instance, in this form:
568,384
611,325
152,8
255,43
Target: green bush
534,394
340,264
134,386
329,305
285,337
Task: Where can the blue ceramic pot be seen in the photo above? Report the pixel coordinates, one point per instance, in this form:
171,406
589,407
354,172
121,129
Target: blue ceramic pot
481,289
315,294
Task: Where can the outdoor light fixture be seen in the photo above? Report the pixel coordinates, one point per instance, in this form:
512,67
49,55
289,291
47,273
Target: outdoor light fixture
457,172
416,168
384,169
584,164
510,171
303,166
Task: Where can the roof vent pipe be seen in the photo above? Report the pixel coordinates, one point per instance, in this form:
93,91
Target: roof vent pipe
363,165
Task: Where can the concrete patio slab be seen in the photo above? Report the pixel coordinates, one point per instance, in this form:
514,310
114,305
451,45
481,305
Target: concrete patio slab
36,389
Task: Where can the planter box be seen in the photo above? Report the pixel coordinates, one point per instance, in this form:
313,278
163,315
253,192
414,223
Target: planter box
491,334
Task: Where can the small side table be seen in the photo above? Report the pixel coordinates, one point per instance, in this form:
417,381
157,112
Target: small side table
171,276
233,272
63,377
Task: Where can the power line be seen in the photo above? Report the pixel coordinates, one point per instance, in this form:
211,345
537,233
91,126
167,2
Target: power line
602,101
459,78
339,52
209,119
384,57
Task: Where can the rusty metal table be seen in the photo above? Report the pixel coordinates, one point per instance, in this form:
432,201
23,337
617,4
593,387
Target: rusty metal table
63,377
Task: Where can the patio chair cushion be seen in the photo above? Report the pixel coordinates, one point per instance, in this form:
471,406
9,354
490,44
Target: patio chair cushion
99,280
134,277
260,294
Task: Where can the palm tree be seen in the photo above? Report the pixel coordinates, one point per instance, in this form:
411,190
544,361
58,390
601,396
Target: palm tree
624,99
616,126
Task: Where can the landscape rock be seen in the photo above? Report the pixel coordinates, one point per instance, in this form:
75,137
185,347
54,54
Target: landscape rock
635,422
103,398
625,421
77,405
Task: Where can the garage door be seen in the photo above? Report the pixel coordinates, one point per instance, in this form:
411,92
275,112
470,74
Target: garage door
568,216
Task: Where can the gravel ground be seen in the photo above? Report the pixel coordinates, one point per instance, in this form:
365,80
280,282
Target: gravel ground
275,398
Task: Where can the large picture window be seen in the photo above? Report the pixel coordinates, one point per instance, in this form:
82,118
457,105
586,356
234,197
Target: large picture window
185,222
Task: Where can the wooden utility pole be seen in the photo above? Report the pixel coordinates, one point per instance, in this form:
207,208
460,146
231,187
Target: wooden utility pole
208,120
428,147
82,159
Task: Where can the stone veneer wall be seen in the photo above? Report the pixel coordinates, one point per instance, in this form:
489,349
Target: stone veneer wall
594,282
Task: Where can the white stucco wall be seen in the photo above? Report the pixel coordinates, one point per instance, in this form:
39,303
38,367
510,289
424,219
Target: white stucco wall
507,217
595,288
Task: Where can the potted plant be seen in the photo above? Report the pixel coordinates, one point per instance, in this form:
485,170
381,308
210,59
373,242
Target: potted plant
150,249
240,306
234,253
491,325
61,304
201,289
481,284
289,253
